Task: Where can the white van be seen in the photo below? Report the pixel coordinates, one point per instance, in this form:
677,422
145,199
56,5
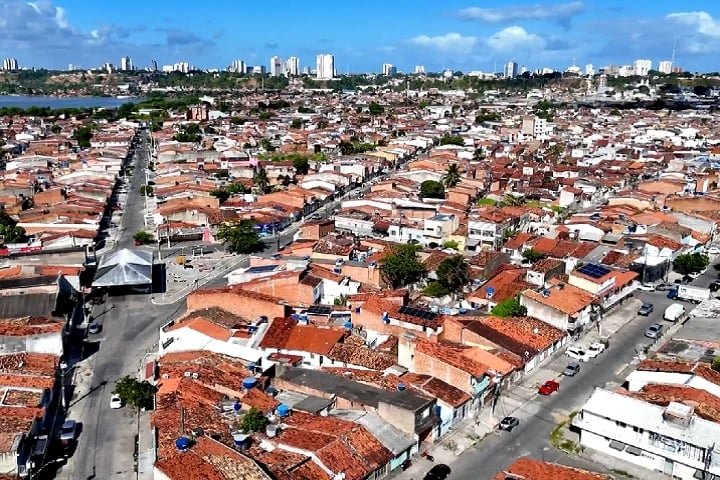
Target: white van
674,312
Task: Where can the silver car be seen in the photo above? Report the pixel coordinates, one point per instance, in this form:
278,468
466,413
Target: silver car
654,331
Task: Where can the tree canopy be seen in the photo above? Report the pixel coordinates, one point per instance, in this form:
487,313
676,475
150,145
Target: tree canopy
452,140
400,266
83,134
432,189
190,132
532,256
143,237
135,393
690,263
241,238
453,273
452,176
509,308
253,421
9,230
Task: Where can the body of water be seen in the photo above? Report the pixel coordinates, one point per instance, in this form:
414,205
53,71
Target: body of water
26,101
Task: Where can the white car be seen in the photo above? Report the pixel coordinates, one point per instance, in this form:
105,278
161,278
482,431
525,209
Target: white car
595,349
578,354
646,287
713,250
115,401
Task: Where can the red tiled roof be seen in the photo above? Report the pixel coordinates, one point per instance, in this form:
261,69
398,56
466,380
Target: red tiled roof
530,469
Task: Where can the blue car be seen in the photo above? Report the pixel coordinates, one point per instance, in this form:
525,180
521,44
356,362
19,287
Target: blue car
672,294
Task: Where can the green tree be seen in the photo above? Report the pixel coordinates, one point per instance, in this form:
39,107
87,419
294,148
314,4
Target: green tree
141,236
716,363
532,256
400,266
376,109
261,180
509,308
453,273
452,176
253,421
434,289
296,124
189,133
451,244
432,189
301,165
125,110
83,134
346,148
341,300
452,140
690,263
241,237
146,190
55,128
135,393
221,194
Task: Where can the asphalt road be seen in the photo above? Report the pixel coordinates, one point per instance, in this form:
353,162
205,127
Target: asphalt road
129,330
541,414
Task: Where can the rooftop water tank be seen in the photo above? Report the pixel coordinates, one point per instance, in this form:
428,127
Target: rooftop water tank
283,410
182,444
236,406
401,387
348,325
239,439
271,430
249,383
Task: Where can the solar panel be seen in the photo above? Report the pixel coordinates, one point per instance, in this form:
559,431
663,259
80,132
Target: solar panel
261,269
594,271
418,313
319,310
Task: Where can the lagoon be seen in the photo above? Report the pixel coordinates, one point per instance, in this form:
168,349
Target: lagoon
26,101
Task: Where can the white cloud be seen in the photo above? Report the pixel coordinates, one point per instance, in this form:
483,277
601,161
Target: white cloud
560,13
702,23
515,39
450,42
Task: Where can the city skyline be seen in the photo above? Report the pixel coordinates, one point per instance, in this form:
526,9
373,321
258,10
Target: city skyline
467,37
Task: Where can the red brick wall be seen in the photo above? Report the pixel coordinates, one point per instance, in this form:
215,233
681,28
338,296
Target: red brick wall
428,365
287,289
240,305
48,197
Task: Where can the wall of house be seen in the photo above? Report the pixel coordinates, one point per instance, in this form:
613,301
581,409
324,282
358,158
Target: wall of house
399,417
245,306
49,343
546,313
366,274
428,365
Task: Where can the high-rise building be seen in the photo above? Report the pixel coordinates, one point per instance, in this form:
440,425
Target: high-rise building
71,67
10,64
126,64
325,66
292,66
665,67
419,69
510,70
389,69
523,69
642,67
590,70
238,66
153,66
276,66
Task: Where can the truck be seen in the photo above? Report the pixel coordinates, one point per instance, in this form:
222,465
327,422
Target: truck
674,312
690,293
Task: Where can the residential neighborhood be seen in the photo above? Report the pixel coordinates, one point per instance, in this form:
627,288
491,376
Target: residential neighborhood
358,286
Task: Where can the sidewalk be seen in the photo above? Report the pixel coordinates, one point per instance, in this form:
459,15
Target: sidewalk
515,398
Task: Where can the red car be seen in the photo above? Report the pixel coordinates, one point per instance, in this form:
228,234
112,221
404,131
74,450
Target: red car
549,387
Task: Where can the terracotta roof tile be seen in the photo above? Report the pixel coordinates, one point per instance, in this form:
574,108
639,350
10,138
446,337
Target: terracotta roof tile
453,355
361,356
530,469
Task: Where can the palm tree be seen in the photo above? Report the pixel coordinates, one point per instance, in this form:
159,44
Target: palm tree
452,176
261,180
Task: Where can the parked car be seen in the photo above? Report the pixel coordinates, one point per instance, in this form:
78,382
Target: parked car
715,286
713,250
438,472
68,432
115,401
654,331
93,328
578,354
646,287
646,309
662,287
572,369
595,349
508,423
549,387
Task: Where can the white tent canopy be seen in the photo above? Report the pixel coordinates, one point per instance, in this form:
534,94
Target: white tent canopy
124,268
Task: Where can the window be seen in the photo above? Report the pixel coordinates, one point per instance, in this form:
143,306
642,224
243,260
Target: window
620,424
638,430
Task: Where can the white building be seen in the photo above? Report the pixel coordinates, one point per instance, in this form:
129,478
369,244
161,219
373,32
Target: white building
126,64
325,66
510,70
388,69
642,67
671,440
292,66
590,69
665,67
419,69
238,66
10,64
276,66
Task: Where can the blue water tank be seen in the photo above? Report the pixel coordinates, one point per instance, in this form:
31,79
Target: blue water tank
252,328
357,309
283,410
182,443
401,387
249,383
237,406
295,316
239,439
462,311
348,325
263,319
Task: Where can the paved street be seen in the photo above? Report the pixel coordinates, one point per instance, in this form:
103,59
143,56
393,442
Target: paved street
539,415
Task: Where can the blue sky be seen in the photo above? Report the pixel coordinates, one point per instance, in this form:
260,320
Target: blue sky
362,35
